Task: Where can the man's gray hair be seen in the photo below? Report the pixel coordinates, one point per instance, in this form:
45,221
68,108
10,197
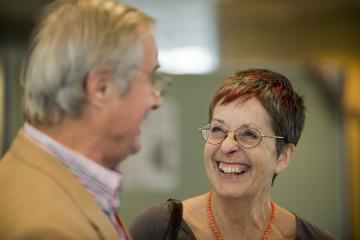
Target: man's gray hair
73,37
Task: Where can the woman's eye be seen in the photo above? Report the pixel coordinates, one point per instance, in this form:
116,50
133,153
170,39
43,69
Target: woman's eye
216,129
218,132
249,134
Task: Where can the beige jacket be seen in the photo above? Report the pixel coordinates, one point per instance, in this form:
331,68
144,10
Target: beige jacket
42,199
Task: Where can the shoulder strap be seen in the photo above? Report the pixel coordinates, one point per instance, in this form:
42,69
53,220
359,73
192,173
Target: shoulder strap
176,209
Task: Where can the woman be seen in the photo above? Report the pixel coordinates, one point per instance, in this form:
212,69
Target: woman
255,122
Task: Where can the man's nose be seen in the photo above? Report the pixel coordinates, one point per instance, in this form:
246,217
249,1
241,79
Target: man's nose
157,101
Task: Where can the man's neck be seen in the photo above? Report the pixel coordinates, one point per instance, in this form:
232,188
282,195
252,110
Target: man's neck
75,135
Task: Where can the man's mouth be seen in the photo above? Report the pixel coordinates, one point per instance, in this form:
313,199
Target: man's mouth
233,168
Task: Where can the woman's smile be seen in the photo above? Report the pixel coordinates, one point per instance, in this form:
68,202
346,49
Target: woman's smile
232,170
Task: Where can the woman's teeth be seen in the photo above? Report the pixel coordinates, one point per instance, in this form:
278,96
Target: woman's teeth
232,169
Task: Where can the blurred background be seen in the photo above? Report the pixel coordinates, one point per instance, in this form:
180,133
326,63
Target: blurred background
316,44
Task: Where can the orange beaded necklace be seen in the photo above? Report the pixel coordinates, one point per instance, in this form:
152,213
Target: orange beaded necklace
216,232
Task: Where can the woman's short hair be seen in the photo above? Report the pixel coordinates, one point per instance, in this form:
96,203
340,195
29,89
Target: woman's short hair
73,37
284,105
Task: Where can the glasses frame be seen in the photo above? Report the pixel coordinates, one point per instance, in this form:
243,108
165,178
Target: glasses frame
160,84
206,127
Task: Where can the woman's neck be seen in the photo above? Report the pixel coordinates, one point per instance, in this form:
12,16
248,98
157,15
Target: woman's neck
241,216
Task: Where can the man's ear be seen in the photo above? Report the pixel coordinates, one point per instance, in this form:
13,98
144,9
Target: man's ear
98,85
284,158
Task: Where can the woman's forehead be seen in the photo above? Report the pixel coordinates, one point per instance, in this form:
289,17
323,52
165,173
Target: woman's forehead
243,111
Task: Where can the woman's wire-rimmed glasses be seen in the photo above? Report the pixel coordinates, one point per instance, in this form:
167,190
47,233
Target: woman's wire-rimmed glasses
245,136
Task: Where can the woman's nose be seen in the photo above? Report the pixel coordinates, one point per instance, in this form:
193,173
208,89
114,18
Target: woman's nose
230,145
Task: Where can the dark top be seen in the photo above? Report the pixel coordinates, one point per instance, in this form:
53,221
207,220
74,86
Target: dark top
153,222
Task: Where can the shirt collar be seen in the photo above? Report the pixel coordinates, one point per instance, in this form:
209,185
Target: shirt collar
104,184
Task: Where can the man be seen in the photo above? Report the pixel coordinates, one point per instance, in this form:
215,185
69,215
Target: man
88,86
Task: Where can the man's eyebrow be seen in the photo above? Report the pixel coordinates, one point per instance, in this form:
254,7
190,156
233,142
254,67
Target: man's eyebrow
156,67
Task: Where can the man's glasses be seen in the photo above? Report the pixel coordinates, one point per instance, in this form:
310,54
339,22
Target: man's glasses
245,136
160,84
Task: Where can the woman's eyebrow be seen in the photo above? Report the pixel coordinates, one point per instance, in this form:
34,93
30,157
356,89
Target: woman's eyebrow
247,125
219,121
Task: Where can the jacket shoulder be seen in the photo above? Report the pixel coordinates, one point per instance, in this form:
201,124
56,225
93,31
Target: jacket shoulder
38,195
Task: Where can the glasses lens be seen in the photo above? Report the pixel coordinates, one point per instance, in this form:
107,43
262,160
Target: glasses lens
213,134
161,84
248,137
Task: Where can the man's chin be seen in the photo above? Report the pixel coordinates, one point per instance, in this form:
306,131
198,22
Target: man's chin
136,146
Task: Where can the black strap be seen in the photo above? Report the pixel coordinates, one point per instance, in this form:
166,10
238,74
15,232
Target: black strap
176,209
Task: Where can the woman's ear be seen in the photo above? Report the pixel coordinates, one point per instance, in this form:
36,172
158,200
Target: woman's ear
284,158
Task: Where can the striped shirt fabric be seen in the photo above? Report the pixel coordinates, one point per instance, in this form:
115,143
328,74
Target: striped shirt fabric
104,184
